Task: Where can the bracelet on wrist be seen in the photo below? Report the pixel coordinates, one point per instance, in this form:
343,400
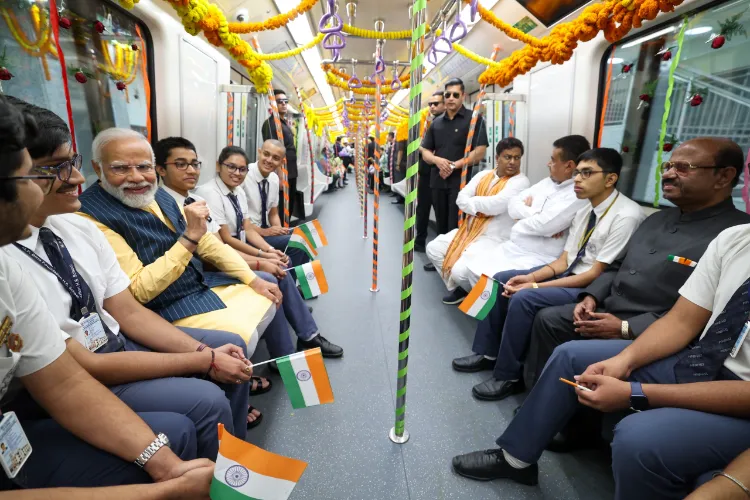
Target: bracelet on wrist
201,347
187,238
734,480
211,366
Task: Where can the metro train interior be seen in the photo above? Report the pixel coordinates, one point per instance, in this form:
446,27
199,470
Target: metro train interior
165,68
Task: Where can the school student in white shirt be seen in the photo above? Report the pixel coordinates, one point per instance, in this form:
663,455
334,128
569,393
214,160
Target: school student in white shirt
87,437
599,233
543,213
261,186
228,204
231,213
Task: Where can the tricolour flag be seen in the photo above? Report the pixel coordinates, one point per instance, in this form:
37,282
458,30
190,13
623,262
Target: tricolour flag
314,233
311,279
245,472
482,297
305,378
299,240
682,260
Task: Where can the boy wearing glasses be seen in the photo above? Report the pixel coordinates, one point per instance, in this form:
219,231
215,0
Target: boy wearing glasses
599,232
268,131
443,148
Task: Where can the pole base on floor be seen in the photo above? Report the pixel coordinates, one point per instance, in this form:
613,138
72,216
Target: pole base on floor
398,439
374,290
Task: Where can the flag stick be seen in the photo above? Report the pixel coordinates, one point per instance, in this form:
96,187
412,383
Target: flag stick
472,129
416,49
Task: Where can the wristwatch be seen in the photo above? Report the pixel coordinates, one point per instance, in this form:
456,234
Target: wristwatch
158,443
625,330
638,400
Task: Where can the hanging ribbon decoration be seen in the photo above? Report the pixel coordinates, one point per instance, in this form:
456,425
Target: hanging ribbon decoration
55,23
665,116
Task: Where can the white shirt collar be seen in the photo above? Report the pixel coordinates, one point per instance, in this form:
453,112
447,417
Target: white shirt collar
563,184
603,206
177,196
32,241
255,173
223,188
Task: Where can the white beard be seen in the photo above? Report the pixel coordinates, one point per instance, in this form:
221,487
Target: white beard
133,201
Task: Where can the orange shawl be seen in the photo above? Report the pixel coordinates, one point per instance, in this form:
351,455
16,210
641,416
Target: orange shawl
473,226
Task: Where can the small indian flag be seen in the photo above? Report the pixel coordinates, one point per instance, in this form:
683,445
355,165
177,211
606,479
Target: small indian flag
481,299
299,240
245,472
305,378
682,260
314,233
311,279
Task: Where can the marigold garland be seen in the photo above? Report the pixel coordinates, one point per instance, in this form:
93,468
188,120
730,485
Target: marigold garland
614,17
44,42
200,15
274,22
506,28
293,52
377,35
338,82
404,79
474,57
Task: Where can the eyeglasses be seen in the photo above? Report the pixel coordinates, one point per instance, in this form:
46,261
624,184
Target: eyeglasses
511,157
46,189
123,170
63,171
455,95
282,101
585,173
683,167
183,165
430,104
235,169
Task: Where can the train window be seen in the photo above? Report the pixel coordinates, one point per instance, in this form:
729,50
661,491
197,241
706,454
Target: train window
109,75
711,95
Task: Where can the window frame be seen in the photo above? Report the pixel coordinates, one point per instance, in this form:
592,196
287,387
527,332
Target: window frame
604,67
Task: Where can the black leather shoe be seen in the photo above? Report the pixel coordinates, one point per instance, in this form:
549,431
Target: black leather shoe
473,363
495,390
487,465
455,297
429,267
419,248
328,349
310,309
564,442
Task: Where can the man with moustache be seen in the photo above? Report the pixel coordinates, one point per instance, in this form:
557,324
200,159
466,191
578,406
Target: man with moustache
436,105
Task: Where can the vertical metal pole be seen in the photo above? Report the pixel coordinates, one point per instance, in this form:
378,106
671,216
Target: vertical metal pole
399,434
472,129
363,147
286,216
358,173
376,179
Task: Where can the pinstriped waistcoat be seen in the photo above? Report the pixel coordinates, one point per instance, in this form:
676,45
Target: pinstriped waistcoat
150,239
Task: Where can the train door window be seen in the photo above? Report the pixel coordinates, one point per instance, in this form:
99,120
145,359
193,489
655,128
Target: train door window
106,52
711,95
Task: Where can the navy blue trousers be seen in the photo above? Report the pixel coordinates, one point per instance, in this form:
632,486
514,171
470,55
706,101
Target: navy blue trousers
506,331
296,256
204,402
293,305
659,453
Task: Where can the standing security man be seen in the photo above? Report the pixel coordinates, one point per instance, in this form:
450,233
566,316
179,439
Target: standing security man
443,147
424,194
269,132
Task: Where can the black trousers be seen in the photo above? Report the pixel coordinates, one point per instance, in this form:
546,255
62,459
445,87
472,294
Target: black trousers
446,210
424,205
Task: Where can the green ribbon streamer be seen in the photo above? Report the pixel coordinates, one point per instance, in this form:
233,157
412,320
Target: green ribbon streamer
665,116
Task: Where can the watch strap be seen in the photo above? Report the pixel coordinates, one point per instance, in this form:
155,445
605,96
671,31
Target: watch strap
625,330
157,444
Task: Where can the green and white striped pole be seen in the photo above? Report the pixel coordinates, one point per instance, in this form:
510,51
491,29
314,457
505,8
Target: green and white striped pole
399,434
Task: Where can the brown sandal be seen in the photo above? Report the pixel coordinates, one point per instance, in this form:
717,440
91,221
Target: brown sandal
256,385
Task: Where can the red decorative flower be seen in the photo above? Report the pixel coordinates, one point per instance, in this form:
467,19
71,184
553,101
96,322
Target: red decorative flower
627,68
99,27
134,47
65,23
80,77
668,147
5,75
645,97
666,56
120,86
696,100
625,149
718,42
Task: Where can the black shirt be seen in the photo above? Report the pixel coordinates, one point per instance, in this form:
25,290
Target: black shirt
269,132
447,139
642,285
371,149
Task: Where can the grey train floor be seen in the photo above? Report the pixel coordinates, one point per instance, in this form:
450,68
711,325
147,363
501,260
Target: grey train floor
346,443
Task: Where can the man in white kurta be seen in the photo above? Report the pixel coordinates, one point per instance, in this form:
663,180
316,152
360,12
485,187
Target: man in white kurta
509,153
543,213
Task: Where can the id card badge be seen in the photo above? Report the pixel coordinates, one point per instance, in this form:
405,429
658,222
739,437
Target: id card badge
243,236
93,332
740,339
15,448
